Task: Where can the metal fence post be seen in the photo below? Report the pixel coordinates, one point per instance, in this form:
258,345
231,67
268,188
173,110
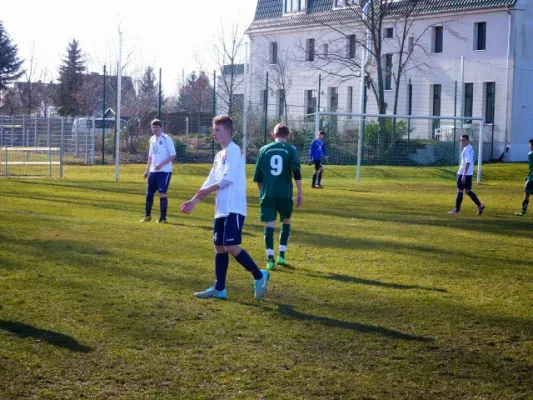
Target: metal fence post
1,131
49,143
35,122
12,130
93,139
24,141
61,146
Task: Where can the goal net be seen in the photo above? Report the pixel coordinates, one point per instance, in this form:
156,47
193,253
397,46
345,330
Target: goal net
397,140
31,161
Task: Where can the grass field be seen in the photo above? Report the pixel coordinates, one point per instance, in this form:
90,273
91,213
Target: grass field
386,296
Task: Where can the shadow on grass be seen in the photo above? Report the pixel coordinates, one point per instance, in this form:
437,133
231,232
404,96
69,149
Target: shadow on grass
371,282
54,338
290,312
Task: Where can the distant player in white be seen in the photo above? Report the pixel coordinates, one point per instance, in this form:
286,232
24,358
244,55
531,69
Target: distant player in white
158,170
464,178
228,179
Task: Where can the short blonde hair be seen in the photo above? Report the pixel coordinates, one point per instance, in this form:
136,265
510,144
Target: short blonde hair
223,120
156,122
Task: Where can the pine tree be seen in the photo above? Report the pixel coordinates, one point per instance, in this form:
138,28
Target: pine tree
71,80
10,64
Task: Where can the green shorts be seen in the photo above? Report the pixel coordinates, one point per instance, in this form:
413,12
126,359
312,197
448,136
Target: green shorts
271,206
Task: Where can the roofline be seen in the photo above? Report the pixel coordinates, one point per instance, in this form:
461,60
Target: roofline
310,26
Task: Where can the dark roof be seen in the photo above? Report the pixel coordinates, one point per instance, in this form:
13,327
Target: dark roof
269,13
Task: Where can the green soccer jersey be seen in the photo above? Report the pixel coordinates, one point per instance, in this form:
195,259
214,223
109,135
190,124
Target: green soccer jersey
274,168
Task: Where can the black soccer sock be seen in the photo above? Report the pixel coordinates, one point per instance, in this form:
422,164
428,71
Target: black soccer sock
525,203
221,270
269,243
314,179
246,261
458,201
149,204
474,198
319,177
163,203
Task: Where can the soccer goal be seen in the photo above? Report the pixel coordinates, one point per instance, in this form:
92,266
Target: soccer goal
31,161
398,140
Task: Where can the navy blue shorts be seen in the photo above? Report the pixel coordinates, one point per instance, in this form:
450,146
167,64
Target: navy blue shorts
318,164
158,182
467,184
227,230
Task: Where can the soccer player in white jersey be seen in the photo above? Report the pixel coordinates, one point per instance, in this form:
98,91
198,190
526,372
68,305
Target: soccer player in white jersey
228,179
464,178
158,170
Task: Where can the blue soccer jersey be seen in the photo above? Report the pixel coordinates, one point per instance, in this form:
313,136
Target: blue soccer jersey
318,148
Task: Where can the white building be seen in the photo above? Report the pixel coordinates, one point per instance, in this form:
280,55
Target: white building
469,58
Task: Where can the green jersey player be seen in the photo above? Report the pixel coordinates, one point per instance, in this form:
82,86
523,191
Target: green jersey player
528,187
277,164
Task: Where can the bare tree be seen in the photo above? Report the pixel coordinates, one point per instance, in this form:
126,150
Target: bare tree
227,50
279,61
364,28
27,93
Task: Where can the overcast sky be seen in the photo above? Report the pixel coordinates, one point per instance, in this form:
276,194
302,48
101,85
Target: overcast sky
173,36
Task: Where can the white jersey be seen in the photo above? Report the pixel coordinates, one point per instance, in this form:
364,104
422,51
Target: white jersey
467,156
229,165
160,148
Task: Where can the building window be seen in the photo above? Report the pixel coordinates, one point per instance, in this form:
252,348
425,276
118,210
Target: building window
437,36
310,50
333,99
343,3
273,53
325,50
281,103
388,33
410,43
490,102
436,105
349,103
351,46
237,102
480,36
294,6
264,99
310,101
388,71
469,101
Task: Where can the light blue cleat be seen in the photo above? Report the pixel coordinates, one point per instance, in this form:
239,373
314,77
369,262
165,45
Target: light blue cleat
212,293
260,285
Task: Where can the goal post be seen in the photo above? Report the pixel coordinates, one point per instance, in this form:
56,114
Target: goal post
401,140
30,161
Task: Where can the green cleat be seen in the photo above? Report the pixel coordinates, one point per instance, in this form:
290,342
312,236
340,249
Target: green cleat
146,218
520,214
281,261
162,221
270,264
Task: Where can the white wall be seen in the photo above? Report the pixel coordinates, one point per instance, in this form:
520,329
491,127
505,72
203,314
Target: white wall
522,81
444,68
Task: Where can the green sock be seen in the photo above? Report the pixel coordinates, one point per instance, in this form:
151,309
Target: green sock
269,242
284,239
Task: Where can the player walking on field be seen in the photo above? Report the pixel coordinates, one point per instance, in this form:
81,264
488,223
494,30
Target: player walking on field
277,164
464,178
228,179
158,171
528,187
317,150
